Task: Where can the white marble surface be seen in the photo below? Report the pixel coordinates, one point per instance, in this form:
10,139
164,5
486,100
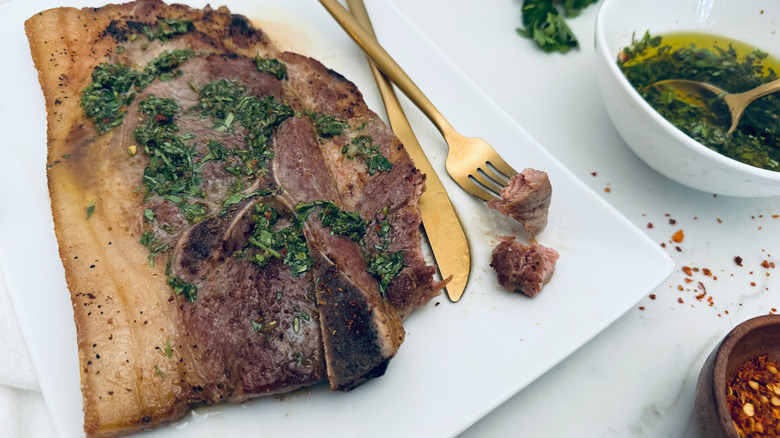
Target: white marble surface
637,378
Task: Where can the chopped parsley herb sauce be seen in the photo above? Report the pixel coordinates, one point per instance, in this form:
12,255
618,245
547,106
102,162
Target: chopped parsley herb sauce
735,68
348,224
287,244
153,244
385,267
114,86
271,66
167,28
363,146
226,102
328,125
181,287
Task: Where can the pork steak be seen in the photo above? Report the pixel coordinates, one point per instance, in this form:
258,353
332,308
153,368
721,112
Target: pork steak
232,219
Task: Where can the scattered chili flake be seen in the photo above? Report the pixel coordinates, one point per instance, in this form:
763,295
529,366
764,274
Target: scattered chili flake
649,225
687,270
753,398
678,236
738,260
652,296
680,300
707,272
607,189
672,221
641,307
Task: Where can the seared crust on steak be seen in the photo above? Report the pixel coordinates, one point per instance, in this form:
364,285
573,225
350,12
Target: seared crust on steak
195,320
523,268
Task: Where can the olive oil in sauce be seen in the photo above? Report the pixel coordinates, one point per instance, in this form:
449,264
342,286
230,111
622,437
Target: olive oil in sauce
732,65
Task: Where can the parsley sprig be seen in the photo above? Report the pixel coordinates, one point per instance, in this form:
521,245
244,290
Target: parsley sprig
543,22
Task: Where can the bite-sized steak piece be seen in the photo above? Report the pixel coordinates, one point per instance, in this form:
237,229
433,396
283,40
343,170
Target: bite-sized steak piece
526,198
251,226
523,268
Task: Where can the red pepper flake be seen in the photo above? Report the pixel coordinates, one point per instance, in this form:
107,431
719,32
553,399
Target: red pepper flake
641,307
719,221
767,264
672,221
679,287
652,296
678,249
687,270
707,272
593,173
680,300
649,225
753,283
752,397
607,189
738,260
688,280
678,236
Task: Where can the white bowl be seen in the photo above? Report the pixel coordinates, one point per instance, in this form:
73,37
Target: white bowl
656,141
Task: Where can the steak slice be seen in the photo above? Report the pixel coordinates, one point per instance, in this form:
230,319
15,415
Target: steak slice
526,198
523,268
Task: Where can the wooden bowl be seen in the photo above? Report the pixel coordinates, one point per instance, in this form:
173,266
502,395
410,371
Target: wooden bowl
753,338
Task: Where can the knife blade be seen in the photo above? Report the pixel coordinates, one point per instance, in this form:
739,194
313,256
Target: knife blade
440,221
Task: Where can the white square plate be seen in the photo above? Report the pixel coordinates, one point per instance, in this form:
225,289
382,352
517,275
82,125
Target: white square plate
459,361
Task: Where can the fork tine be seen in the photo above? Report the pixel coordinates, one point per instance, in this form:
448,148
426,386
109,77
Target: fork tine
486,181
475,189
499,164
498,178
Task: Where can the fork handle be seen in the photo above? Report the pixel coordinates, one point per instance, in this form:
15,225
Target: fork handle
387,64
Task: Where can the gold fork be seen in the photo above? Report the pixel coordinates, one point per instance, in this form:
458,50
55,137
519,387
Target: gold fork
471,162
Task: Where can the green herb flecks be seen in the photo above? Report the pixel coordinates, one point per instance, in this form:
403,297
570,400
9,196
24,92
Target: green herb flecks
105,100
287,244
164,66
385,267
257,326
114,86
757,138
363,146
172,171
167,28
158,372
348,224
328,125
226,102
271,66
168,348
383,230
181,287
91,208
543,22
153,244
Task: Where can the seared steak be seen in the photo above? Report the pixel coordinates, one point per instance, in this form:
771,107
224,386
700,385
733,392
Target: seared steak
523,268
526,198
233,220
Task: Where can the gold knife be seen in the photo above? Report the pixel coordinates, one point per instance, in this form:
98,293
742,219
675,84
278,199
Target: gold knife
440,221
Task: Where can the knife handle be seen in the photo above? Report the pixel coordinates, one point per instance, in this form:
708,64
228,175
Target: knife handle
387,64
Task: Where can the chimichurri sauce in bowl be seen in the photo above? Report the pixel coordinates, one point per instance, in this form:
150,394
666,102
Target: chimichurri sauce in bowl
729,64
